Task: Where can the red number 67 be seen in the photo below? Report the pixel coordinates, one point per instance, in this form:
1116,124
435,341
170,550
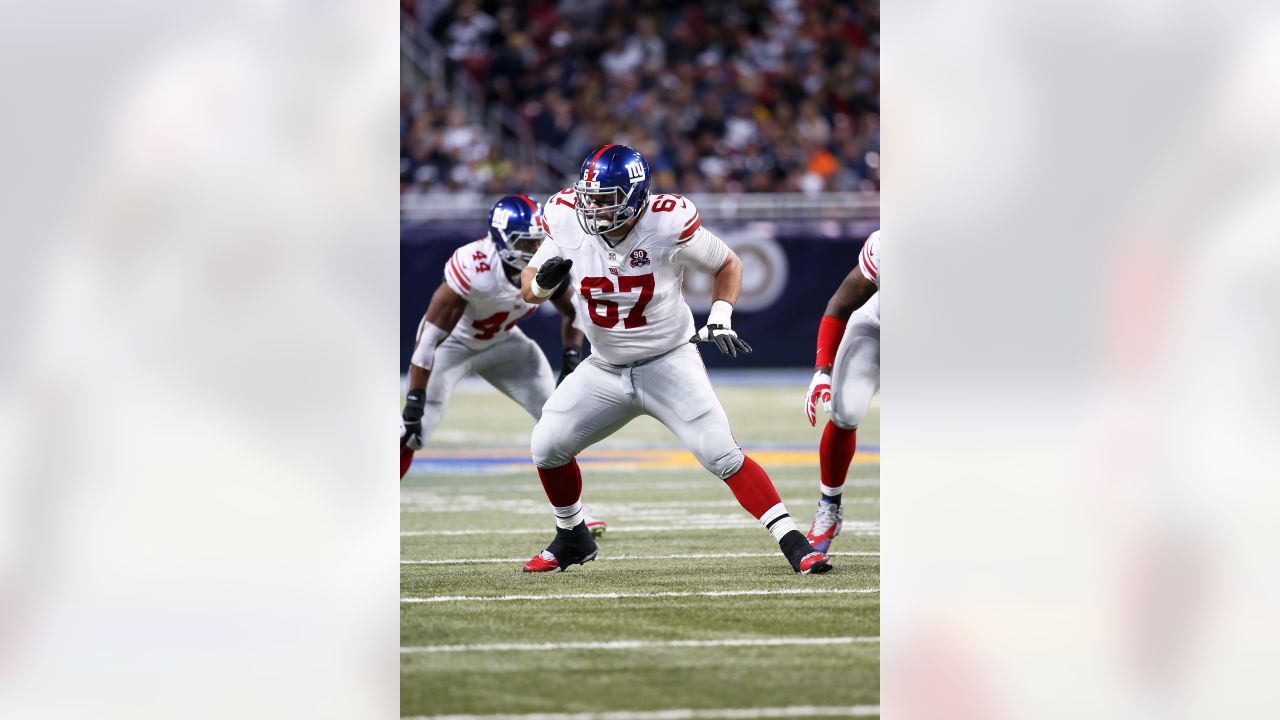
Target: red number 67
604,312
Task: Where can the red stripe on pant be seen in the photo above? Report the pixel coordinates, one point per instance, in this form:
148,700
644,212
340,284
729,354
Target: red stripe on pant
563,484
753,488
835,453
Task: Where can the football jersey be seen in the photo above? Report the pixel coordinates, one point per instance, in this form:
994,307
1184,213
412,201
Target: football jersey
869,258
494,305
631,294
869,264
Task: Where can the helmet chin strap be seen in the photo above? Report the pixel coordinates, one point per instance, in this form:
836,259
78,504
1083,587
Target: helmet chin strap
625,228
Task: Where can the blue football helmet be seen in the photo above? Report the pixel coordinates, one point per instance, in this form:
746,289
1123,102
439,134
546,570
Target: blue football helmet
612,189
515,226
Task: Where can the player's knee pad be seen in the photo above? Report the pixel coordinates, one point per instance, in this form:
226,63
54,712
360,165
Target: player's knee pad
548,447
847,415
843,422
726,464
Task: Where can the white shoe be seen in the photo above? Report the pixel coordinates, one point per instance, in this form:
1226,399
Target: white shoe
826,525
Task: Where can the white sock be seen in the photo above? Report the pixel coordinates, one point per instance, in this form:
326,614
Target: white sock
568,517
777,521
831,491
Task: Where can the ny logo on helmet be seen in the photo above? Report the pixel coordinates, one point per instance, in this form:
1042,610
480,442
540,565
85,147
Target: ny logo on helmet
501,216
635,171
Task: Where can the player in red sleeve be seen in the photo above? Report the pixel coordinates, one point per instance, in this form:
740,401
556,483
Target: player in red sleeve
846,376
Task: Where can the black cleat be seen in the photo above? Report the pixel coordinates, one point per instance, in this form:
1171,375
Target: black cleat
570,547
803,558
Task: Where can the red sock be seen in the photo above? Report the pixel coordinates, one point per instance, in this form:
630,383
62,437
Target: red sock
563,484
834,455
753,488
757,495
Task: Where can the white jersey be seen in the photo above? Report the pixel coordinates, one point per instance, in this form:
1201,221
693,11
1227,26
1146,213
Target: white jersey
869,264
631,293
869,258
494,305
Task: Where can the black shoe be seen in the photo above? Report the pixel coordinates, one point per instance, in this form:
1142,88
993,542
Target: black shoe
570,547
803,558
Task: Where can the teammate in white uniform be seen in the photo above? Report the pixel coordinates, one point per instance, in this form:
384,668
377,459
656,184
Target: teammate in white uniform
846,376
470,327
624,254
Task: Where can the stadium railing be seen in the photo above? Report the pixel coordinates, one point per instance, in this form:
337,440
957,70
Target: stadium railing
441,206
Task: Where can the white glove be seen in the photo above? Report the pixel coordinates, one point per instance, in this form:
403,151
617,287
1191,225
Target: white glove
819,392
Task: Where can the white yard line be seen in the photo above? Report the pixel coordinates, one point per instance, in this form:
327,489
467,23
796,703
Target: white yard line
543,530
852,527
440,502
617,596
682,714
684,556
640,644
477,504
441,482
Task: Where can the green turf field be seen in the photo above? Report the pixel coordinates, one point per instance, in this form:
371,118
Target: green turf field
732,629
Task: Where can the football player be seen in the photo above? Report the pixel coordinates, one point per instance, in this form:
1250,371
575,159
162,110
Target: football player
470,327
624,252
846,376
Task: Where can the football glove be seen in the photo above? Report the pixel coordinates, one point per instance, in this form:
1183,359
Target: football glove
550,275
819,392
719,331
572,357
725,339
414,404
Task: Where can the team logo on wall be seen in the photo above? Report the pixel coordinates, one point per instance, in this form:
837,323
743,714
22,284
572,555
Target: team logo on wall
765,270
639,258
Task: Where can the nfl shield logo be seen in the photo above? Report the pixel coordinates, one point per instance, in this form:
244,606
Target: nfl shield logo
639,258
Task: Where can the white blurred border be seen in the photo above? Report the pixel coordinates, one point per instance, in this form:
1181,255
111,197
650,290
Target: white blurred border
1082,208
198,515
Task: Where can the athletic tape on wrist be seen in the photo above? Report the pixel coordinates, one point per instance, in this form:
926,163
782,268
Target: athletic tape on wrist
538,290
721,312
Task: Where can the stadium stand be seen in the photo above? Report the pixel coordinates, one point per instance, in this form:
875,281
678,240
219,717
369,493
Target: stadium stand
763,96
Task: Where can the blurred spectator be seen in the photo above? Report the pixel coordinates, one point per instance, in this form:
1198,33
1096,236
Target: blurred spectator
736,96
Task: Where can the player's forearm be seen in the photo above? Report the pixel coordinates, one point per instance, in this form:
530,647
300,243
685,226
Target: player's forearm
526,287
424,353
853,293
527,292
727,282
570,336
418,377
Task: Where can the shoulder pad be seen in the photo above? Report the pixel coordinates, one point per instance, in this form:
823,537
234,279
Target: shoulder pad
560,217
675,215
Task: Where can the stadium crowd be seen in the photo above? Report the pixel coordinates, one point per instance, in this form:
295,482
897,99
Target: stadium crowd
735,96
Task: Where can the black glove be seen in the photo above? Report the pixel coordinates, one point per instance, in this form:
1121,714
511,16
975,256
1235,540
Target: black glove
414,403
572,356
725,339
553,272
